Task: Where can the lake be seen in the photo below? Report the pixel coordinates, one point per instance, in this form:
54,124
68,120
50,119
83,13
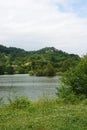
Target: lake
25,85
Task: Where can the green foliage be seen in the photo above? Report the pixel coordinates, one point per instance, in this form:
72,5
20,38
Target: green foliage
1,69
48,70
19,103
40,72
15,60
10,69
69,97
45,114
63,90
31,73
76,79
1,101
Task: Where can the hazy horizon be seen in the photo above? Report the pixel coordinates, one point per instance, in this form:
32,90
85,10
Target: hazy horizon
32,25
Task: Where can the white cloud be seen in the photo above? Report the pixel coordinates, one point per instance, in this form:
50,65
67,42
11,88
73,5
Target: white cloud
39,23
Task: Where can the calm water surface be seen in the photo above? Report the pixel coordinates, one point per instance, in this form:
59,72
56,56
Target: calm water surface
25,85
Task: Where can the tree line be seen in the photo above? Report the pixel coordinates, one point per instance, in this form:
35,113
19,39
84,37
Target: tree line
45,62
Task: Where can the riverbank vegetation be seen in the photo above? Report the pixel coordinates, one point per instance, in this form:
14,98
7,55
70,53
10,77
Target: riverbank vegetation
45,114
45,62
74,81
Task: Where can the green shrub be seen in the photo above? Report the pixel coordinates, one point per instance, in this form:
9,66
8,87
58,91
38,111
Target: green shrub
19,103
84,102
65,94
75,80
31,73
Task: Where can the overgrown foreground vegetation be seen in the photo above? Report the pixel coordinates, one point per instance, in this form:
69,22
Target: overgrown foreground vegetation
45,114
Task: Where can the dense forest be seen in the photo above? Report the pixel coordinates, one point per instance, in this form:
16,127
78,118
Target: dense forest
45,62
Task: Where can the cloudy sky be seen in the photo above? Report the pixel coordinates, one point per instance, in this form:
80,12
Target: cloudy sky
34,24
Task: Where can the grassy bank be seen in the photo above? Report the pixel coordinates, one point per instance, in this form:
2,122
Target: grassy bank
45,114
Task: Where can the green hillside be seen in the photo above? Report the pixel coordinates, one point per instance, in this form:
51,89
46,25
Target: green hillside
45,62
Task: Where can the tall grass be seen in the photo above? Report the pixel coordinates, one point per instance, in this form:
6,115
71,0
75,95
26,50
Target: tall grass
44,114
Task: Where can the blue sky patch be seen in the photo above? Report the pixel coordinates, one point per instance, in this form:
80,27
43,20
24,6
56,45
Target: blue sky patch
76,6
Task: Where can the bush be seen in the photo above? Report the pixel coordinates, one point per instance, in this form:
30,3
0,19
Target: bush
49,70
63,90
19,103
77,78
31,73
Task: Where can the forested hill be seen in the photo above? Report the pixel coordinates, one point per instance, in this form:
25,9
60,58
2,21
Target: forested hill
11,50
46,61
